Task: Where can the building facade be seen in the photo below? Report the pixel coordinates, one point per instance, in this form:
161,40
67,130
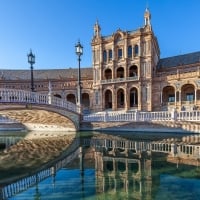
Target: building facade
127,74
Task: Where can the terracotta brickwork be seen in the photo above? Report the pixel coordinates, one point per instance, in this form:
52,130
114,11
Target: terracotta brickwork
127,73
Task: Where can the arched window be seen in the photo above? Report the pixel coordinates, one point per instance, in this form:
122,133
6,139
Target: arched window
85,100
129,51
136,50
120,98
108,74
71,98
120,72
108,99
104,56
133,71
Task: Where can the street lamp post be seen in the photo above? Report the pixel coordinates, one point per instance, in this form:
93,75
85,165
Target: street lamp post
79,53
31,60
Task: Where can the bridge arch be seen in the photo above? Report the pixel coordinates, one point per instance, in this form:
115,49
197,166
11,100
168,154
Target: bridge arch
33,100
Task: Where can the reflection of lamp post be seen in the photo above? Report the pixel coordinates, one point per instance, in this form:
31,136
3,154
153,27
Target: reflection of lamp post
31,60
79,53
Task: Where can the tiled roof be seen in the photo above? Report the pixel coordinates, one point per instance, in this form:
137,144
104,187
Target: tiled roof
174,61
45,74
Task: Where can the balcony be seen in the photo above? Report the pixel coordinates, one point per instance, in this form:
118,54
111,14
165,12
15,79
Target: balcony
119,80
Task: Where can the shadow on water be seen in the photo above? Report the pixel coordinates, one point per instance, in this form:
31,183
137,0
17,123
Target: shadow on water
100,165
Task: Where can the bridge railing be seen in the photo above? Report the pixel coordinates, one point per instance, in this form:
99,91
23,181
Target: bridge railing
21,96
136,116
128,116
189,115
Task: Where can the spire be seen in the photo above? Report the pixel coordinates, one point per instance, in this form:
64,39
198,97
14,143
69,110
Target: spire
147,17
97,29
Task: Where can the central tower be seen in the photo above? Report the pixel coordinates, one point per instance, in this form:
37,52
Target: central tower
123,66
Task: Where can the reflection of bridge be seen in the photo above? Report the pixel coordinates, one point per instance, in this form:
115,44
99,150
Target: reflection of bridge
127,160
187,147
9,140
11,189
125,165
10,97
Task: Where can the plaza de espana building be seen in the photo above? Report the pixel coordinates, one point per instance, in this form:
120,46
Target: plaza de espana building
127,74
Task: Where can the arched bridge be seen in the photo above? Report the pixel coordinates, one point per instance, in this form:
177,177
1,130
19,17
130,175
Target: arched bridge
19,98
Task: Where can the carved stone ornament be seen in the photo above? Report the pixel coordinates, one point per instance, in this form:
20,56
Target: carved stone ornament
198,83
178,85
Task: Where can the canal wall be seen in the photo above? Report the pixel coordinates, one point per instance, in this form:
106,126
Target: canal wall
153,126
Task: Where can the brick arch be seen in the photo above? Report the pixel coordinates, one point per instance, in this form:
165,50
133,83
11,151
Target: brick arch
120,97
133,97
86,99
71,98
188,92
13,112
168,94
120,72
108,98
107,73
133,71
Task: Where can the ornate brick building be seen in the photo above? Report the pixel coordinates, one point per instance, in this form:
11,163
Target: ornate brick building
126,74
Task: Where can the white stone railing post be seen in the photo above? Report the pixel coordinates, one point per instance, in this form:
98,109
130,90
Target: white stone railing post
174,114
105,116
137,116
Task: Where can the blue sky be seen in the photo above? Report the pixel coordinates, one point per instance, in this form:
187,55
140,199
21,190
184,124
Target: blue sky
51,28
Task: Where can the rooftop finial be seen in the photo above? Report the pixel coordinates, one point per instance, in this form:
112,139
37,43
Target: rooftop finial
97,29
147,17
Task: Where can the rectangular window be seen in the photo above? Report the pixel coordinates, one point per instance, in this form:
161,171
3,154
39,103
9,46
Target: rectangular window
104,56
110,54
171,98
119,53
129,51
189,97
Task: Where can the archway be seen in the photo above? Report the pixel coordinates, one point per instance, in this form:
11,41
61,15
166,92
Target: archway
133,98
168,95
71,98
133,71
187,93
108,99
120,98
85,100
108,74
120,72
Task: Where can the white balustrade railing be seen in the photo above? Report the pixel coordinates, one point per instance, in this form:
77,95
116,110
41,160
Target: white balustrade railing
6,120
114,116
21,96
105,81
188,115
110,116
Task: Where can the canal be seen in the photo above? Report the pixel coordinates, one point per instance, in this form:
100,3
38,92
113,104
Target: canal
99,165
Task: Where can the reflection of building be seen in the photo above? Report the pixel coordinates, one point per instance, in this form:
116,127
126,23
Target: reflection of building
127,73
124,172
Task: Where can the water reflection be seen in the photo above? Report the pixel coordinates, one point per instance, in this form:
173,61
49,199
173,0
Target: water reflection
103,166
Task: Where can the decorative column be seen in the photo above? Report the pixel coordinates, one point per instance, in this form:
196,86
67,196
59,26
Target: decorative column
50,93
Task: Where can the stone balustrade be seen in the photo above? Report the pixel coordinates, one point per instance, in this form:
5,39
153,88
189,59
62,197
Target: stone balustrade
138,116
21,96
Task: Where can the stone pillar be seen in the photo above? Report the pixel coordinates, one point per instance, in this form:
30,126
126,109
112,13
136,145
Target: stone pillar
137,115
173,149
49,93
195,96
139,98
126,99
